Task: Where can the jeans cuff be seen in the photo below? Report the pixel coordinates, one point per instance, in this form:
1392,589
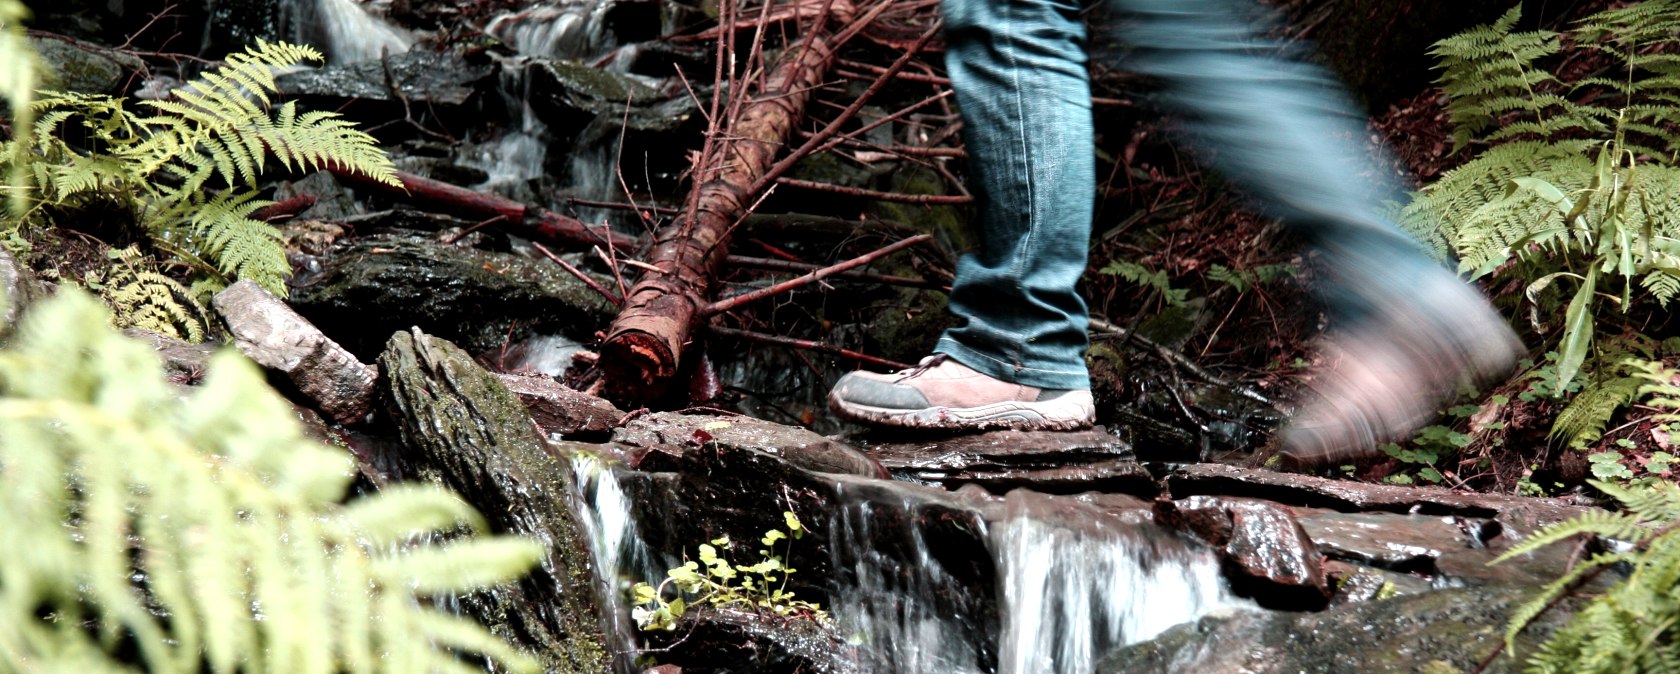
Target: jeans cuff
996,368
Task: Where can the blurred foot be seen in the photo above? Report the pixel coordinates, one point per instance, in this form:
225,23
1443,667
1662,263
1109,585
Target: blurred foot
942,393
1388,375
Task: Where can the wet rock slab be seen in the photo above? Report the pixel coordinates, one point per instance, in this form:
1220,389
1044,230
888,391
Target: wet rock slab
1265,552
439,78
559,410
1521,514
672,434
374,286
1454,628
1449,547
1003,460
730,640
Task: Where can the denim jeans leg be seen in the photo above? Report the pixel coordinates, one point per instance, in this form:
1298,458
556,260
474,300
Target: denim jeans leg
1287,131
1018,68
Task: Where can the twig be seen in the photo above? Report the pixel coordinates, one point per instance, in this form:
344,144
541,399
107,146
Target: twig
616,300
788,265
721,306
396,90
618,206
612,264
160,15
1180,360
833,127
899,197
806,344
481,225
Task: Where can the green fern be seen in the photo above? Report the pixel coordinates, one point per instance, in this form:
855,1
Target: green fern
1489,72
1143,277
144,299
191,163
1579,183
1582,421
150,532
1633,626
18,73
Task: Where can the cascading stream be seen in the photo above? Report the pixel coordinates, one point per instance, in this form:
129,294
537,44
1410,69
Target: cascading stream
1079,583
1072,581
620,556
896,600
345,30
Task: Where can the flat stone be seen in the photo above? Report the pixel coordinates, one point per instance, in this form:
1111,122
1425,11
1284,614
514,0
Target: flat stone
1520,513
1265,552
673,434
561,410
269,332
1454,628
418,75
83,68
1049,461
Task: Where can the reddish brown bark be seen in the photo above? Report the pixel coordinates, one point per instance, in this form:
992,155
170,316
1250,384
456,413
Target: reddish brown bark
644,345
534,223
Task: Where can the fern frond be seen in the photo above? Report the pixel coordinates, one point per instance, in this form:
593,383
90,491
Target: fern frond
18,75
1454,215
1583,420
172,534
223,230
1489,70
1596,522
320,140
151,301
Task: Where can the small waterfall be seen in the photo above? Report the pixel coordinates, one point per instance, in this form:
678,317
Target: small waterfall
620,557
570,30
344,30
1078,583
904,606
520,153
1072,582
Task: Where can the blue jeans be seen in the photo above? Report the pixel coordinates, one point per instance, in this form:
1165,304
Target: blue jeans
1281,128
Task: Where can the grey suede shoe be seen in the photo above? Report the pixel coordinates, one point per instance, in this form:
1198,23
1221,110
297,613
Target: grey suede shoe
942,393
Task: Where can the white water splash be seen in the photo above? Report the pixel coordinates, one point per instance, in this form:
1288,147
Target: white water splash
521,152
569,30
353,35
894,599
1077,587
620,556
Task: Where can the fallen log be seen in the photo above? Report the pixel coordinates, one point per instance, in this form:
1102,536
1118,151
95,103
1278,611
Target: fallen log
462,427
644,345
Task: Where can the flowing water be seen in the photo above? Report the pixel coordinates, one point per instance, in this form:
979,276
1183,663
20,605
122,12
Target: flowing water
344,30
1061,582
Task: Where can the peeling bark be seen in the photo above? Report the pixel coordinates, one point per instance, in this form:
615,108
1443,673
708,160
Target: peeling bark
644,345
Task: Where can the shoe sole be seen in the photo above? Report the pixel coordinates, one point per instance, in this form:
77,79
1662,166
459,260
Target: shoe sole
1053,415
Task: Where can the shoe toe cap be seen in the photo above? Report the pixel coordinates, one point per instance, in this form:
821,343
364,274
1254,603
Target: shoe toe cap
859,390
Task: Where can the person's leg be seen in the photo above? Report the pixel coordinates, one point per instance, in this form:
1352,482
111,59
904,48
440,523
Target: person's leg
1018,70
1406,329
1015,358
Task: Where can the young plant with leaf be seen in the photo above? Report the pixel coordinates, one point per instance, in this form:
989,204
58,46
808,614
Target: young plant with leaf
150,531
714,580
187,167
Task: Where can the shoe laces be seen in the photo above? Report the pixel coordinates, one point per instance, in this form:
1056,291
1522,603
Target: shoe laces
924,365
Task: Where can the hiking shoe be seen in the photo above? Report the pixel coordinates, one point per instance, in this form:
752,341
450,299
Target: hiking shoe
941,393
1387,377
